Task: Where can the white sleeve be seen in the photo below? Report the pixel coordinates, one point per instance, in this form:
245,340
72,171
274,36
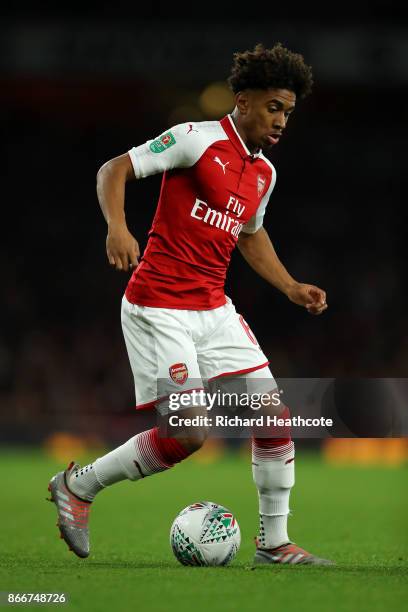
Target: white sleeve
256,221
178,147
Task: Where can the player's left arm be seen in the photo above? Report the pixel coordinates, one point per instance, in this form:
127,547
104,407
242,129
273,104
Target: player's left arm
257,249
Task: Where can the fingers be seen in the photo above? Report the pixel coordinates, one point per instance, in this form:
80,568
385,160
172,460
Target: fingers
317,303
316,309
115,261
122,249
122,261
317,295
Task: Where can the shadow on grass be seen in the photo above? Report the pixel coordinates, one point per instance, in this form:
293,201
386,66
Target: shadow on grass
133,565
50,565
164,565
372,570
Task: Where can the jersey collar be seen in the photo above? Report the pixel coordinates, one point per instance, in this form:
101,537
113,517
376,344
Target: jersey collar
230,129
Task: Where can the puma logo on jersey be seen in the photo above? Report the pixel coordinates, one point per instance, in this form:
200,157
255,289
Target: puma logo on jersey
218,161
191,129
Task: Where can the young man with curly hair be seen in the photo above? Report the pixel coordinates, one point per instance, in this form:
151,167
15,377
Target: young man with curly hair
179,327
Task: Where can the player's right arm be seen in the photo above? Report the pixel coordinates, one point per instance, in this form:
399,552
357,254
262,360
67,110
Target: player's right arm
179,147
121,247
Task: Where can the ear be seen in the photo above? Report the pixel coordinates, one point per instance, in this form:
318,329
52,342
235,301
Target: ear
242,102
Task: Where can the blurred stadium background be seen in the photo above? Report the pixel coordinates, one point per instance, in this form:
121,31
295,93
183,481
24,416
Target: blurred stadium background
78,88
81,85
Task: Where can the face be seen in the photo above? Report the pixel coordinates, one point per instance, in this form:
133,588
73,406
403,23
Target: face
263,115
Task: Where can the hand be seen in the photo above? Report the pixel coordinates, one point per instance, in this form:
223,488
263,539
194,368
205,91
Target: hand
309,296
121,248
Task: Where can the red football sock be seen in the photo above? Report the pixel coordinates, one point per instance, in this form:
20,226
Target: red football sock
170,449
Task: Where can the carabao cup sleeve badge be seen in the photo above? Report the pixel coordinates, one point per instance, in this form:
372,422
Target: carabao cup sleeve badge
164,142
178,373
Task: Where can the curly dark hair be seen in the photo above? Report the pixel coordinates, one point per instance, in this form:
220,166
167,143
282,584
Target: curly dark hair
276,68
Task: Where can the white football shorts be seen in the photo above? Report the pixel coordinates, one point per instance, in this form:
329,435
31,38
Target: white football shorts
174,351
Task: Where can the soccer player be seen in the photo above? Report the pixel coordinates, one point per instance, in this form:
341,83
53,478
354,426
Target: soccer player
179,327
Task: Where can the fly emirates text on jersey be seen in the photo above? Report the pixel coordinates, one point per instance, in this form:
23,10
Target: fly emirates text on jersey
223,221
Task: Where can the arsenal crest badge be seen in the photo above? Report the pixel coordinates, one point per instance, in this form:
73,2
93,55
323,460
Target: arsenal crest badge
261,184
178,373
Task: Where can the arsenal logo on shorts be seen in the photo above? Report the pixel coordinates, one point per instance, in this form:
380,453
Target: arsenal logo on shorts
178,373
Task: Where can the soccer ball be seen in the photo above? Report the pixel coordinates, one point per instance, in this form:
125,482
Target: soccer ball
205,534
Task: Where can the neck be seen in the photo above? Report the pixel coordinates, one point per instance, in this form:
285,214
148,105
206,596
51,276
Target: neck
236,117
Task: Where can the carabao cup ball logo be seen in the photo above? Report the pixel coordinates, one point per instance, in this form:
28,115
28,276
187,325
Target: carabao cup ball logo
178,373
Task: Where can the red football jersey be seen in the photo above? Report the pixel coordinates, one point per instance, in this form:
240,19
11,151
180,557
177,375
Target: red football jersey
212,189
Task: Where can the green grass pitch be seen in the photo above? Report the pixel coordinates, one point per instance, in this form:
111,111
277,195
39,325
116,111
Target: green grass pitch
356,516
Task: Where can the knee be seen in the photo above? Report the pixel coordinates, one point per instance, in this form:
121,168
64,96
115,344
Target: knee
191,428
193,441
273,406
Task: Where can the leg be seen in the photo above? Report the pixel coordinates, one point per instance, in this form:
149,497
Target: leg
273,469
163,360
141,456
272,457
234,352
